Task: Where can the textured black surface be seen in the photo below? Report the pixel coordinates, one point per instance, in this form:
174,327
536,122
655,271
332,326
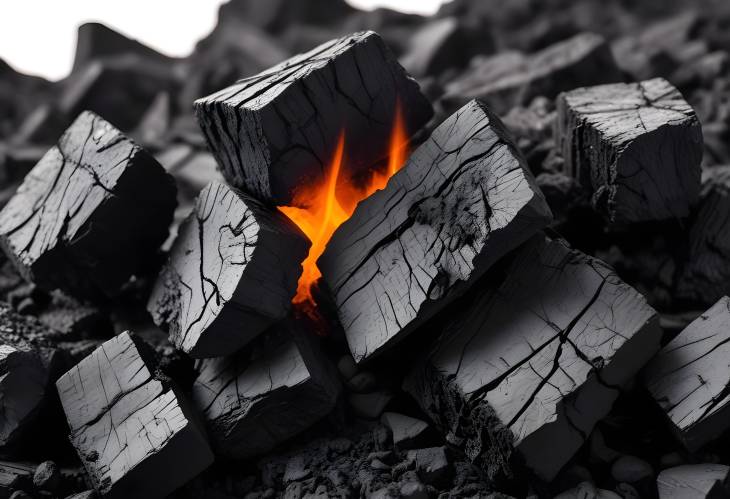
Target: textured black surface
462,201
276,130
254,402
535,363
231,273
90,213
637,147
133,431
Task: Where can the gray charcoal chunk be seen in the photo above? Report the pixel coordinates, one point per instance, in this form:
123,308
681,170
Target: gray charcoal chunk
134,432
251,403
90,213
463,200
694,481
276,130
636,146
231,273
534,363
689,377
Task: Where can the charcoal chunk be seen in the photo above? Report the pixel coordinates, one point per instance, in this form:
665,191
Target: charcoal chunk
694,481
705,275
15,476
534,363
29,366
255,401
274,131
463,200
232,272
637,146
90,213
96,41
584,59
132,429
689,377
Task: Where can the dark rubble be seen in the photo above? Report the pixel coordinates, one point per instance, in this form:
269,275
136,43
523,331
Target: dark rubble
353,431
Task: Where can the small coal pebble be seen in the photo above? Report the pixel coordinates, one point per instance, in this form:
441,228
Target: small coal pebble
630,469
47,476
347,367
19,494
413,490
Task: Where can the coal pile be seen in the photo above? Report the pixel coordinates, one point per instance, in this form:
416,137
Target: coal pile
337,253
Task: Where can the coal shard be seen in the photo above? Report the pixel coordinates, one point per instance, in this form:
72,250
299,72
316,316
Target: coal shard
511,80
90,213
273,132
15,476
534,363
97,41
134,432
694,481
463,200
29,366
636,146
705,275
689,377
253,401
231,273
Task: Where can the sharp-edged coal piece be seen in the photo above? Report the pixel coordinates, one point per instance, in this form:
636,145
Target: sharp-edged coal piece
231,273
260,397
134,433
462,201
705,275
689,378
275,131
90,213
507,79
636,146
694,481
534,363
28,368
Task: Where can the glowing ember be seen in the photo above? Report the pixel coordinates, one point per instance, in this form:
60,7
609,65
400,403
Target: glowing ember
332,202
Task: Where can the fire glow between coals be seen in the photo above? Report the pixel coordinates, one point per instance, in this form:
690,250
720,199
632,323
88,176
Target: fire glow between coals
328,204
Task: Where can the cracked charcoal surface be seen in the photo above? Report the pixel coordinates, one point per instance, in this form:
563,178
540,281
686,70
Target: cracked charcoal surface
463,200
637,146
517,369
693,481
689,378
706,272
90,213
232,272
28,368
510,79
132,430
276,130
253,402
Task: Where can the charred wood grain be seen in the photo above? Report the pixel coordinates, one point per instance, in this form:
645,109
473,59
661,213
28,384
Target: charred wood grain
131,427
90,213
277,130
260,397
636,146
463,200
231,273
534,363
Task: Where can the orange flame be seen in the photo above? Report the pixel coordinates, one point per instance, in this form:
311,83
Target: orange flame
332,202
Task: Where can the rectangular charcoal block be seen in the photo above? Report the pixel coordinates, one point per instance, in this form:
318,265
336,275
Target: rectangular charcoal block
277,130
689,377
636,146
231,273
534,363
135,434
463,199
90,213
258,398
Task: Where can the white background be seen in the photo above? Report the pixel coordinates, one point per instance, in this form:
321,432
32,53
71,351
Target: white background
39,36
